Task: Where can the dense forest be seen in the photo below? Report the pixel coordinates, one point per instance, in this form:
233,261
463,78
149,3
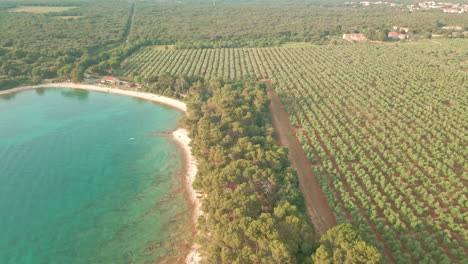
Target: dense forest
36,46
266,24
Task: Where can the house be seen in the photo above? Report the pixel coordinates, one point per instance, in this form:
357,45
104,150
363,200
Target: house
393,35
109,80
396,35
451,10
130,84
406,30
453,27
356,37
402,36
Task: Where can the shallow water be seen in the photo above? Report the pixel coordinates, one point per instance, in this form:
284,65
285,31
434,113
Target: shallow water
83,179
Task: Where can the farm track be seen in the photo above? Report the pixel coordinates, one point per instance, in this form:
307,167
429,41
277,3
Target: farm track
317,207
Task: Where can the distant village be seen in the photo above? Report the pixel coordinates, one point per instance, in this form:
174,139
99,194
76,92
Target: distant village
426,5
399,33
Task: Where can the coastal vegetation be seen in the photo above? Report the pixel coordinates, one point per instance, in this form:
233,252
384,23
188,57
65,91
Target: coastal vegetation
343,244
254,211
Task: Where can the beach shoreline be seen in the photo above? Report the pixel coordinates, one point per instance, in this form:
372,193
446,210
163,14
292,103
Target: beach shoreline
179,105
179,136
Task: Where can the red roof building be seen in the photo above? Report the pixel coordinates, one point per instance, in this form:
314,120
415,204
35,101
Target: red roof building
451,10
109,79
402,36
393,35
396,35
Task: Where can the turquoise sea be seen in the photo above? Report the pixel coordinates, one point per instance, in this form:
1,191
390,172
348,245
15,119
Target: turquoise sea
84,179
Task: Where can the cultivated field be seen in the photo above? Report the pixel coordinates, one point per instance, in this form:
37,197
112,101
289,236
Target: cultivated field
68,17
41,9
383,125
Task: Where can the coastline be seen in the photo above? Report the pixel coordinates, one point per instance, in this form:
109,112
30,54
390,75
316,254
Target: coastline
105,89
180,137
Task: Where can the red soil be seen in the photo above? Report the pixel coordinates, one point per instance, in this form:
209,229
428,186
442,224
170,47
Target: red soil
320,214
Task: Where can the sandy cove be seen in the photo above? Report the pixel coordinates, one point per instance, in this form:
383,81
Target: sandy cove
105,89
180,136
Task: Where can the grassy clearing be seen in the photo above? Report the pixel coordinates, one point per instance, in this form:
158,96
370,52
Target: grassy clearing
41,9
163,47
296,44
68,17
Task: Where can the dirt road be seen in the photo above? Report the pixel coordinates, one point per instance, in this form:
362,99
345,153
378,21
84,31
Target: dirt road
320,214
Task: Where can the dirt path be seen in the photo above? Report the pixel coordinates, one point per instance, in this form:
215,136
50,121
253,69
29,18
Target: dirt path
320,214
437,42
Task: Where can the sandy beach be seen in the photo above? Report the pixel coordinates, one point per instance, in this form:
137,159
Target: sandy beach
180,136
105,89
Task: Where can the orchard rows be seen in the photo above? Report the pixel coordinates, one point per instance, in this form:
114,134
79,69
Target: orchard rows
383,126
